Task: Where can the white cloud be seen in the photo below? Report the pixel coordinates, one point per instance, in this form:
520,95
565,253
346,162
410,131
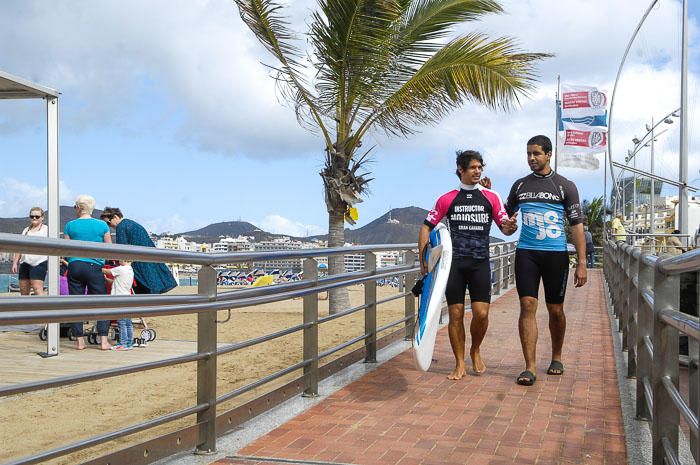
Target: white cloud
173,224
278,224
17,197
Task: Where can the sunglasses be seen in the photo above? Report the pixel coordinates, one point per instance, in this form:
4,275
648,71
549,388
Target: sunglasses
35,217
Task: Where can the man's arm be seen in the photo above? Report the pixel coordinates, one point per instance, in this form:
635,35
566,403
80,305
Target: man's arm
423,239
581,275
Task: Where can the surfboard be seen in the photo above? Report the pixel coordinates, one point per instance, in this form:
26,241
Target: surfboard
438,256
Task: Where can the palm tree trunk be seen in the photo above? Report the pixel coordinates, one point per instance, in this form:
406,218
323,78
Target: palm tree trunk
338,299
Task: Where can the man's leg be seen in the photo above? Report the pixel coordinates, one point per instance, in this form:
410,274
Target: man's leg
455,328
477,328
527,327
557,329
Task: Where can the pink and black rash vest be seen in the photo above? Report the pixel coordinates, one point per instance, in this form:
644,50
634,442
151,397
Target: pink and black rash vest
469,211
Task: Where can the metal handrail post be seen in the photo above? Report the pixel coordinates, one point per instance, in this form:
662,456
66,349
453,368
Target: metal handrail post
311,332
644,323
625,290
694,382
665,417
498,278
371,311
206,368
633,316
410,299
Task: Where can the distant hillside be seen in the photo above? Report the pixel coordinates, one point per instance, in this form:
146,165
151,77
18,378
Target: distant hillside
213,232
397,226
16,225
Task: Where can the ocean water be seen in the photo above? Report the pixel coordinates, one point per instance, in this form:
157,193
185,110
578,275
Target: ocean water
5,281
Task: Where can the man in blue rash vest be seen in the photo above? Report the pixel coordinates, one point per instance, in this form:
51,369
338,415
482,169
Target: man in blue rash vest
545,200
470,210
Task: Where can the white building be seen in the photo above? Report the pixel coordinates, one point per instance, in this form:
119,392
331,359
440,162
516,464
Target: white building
281,243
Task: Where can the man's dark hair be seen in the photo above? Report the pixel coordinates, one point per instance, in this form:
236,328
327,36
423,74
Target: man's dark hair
464,157
111,212
676,231
542,141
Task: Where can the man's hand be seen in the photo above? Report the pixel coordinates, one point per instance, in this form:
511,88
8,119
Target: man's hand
486,182
581,274
14,268
510,225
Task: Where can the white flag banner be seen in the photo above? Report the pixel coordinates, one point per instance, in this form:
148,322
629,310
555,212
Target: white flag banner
583,127
586,161
577,138
586,103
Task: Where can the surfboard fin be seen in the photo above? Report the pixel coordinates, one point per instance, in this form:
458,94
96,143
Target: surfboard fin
435,254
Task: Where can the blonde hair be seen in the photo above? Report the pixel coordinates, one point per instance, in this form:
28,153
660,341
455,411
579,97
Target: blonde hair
85,203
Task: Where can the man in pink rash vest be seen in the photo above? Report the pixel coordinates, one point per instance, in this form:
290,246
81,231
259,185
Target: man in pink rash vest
470,209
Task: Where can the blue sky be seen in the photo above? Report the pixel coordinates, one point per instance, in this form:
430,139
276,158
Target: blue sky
167,113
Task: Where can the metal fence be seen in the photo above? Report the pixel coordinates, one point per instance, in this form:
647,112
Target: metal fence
644,291
209,422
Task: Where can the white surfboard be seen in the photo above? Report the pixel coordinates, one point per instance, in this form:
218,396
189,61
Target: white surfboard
438,256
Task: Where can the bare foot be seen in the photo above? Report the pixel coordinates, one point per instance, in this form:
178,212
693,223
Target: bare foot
80,347
458,373
106,347
80,343
478,365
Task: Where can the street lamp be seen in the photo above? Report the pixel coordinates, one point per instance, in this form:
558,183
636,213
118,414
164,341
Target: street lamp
648,141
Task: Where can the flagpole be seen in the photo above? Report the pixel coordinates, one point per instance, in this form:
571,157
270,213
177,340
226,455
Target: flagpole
556,123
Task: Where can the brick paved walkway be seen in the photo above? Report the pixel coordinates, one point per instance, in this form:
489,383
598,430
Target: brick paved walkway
398,415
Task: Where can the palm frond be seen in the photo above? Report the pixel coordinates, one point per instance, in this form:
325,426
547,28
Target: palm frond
427,21
469,69
350,41
271,29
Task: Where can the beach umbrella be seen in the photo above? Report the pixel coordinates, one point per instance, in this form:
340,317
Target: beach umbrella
264,280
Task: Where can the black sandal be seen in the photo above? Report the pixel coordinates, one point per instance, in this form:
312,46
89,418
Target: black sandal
555,368
526,378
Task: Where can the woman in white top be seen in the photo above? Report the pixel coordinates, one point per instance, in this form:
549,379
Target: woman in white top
32,268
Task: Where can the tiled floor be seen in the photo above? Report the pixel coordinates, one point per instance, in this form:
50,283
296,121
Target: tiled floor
399,415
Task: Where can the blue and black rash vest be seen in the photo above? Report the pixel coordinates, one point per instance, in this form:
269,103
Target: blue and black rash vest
544,202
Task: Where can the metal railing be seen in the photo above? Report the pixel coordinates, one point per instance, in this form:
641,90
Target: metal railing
644,291
209,423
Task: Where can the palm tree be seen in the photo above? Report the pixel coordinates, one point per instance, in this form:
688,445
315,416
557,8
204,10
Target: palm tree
384,64
594,212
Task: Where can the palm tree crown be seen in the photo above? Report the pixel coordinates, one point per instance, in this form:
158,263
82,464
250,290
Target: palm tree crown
390,65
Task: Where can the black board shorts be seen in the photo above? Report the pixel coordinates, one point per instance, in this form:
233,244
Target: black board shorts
33,273
472,272
552,267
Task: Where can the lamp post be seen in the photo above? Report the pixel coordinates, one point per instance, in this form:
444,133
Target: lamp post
648,141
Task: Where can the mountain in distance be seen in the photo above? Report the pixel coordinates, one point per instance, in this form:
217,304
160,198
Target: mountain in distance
17,225
397,226
213,232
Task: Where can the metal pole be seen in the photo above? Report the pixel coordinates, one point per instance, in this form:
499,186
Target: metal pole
410,300
206,368
683,162
54,220
371,311
652,226
634,196
617,79
310,349
556,124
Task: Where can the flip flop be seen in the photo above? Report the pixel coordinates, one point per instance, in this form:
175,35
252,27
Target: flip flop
526,378
555,368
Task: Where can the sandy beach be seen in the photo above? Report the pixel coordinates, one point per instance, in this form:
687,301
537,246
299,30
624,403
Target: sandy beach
36,422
